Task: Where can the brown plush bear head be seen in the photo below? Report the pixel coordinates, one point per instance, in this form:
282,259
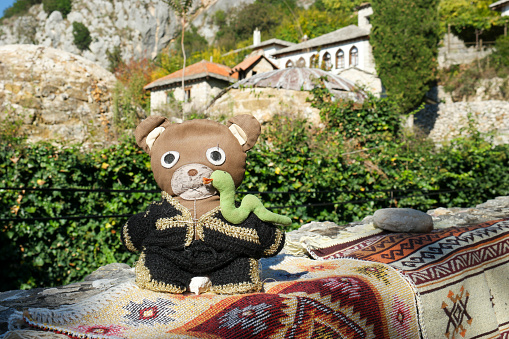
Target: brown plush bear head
182,154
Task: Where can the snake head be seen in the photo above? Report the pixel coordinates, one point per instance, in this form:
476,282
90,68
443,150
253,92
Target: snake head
222,181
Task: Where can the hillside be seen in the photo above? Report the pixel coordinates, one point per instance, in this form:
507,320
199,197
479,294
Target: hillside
138,28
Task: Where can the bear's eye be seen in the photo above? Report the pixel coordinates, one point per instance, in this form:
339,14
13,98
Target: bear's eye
169,159
216,156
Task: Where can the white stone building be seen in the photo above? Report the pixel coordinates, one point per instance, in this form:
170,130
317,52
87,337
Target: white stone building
501,6
346,52
202,82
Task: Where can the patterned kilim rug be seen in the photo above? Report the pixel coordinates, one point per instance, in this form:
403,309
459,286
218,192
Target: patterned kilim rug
461,274
303,298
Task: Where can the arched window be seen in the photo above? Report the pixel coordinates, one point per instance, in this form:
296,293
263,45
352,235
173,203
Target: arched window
340,59
289,64
301,62
354,56
326,62
313,61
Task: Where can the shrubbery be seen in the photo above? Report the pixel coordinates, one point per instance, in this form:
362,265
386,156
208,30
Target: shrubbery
55,252
63,6
332,174
81,36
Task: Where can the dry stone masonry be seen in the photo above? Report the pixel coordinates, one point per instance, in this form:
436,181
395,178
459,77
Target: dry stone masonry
450,119
59,95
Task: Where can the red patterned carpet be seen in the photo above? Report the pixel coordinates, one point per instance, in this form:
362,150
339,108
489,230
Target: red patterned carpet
451,283
461,275
303,298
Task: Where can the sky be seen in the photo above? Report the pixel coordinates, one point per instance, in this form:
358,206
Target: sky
4,4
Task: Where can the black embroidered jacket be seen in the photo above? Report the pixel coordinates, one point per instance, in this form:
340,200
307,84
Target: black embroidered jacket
199,245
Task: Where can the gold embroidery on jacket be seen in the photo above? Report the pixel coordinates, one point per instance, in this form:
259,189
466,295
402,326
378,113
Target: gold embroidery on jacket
144,279
243,233
272,249
127,239
195,229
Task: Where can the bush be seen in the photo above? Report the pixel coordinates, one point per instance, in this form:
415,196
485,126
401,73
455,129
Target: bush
368,123
55,252
81,36
114,58
130,100
63,6
12,132
501,54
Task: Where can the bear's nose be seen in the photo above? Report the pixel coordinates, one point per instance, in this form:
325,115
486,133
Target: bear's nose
192,172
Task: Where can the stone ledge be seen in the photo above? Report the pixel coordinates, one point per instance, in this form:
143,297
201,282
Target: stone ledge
115,274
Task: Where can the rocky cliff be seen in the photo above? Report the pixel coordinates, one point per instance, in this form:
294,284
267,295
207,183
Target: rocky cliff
140,28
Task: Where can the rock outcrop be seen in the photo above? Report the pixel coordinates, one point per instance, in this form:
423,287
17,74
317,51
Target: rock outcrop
138,28
58,95
13,302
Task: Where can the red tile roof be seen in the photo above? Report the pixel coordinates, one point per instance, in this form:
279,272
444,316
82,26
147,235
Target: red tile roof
198,70
247,63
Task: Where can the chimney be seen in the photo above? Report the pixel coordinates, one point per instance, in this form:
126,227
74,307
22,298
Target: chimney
257,37
364,12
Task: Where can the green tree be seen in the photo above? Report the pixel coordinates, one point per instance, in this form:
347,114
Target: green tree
81,36
194,43
470,19
240,22
404,39
63,6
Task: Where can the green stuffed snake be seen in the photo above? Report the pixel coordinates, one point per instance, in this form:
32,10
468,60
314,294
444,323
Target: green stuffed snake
223,182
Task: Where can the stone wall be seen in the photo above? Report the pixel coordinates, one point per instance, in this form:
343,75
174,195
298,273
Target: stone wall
59,95
448,119
264,103
454,52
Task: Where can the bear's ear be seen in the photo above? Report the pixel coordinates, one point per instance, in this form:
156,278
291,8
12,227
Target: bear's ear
246,129
148,130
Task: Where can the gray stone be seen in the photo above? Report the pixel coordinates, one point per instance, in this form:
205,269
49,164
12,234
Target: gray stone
56,17
493,209
67,103
449,119
403,220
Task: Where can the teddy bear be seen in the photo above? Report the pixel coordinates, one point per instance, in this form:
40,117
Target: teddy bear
195,232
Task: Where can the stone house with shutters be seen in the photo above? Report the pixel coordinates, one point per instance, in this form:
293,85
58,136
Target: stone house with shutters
202,82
